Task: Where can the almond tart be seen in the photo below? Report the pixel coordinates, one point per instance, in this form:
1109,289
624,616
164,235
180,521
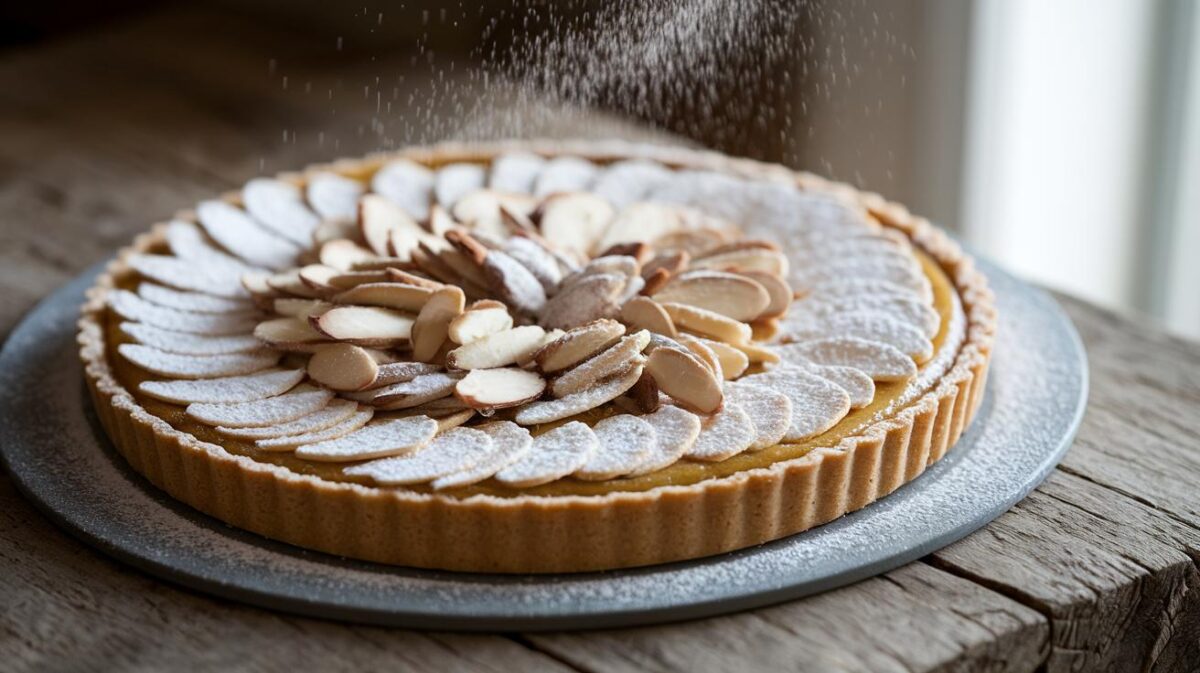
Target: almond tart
528,357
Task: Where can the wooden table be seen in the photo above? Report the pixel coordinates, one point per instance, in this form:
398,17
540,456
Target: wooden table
1097,570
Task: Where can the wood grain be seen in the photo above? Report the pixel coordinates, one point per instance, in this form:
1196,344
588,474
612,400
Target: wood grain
102,134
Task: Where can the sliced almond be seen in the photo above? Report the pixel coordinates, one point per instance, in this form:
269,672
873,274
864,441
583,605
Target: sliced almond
481,209
876,359
706,354
465,267
243,388
497,350
777,289
675,432
333,196
240,234
316,277
409,278
579,344
407,183
364,325
708,323
625,442
509,442
290,334
656,281
300,308
383,263
691,241
516,221
360,417
399,372
724,435
260,413
645,313
335,412
584,301
609,362
467,245
638,250
671,262
347,280
387,228
554,455
429,262
686,379
546,411
478,322
389,438
817,404
343,254
575,222
432,326
770,411
734,362
343,367
194,302
448,452
289,283
644,394
537,259
400,296
420,390
255,284
440,221
514,283
734,296
337,229
757,353
643,221
749,259
741,245
499,388
191,344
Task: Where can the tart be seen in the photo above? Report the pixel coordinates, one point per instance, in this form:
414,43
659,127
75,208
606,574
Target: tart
534,357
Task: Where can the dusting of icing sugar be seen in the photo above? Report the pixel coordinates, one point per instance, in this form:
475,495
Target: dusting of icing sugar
333,196
179,366
554,455
859,386
454,450
725,434
771,412
872,325
188,242
387,438
675,431
565,174
189,344
280,207
510,442
547,411
335,412
229,389
626,441
515,172
132,307
454,181
195,302
817,404
260,413
354,421
875,359
215,279
241,235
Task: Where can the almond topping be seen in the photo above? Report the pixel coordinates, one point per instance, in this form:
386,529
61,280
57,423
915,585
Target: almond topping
686,379
733,361
641,222
584,301
706,354
497,350
289,334
499,388
343,254
350,279
479,321
625,442
546,411
750,259
433,322
734,296
725,434
343,367
608,363
554,455
579,344
399,296
378,218
575,222
364,325
645,313
778,290
389,438
708,323
513,283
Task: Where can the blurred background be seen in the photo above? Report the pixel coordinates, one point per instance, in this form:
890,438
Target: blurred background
1061,138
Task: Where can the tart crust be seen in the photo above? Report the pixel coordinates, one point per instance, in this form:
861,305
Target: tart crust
537,534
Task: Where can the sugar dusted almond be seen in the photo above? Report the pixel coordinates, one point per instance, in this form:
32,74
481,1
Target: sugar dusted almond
741,245
579,344
316,277
432,326
440,221
619,265
465,267
546,411
499,388
450,451
876,359
554,455
516,221
672,263
625,442
377,217
333,196
702,351
189,344
537,259
343,254
509,441
410,278
643,221
724,435
178,366
750,259
584,301
675,431
514,283
337,229
360,417
708,323
335,412
575,221
734,296
290,334
478,322
289,283
611,361
349,279
645,313
389,438
497,350
343,367
734,362
686,379
481,209
466,244
365,325
400,296
255,284
407,183
260,413
243,388
299,308
399,372
407,394
778,290
430,263
382,264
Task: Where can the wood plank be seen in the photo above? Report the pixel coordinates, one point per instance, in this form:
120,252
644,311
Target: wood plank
916,618
1117,579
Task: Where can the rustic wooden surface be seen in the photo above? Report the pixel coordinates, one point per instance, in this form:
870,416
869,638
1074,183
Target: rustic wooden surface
101,133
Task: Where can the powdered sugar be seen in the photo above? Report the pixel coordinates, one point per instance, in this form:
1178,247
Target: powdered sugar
724,434
344,427
626,442
180,366
546,411
334,196
387,438
132,307
817,404
771,412
194,302
878,360
280,207
229,389
554,455
334,413
510,442
221,280
867,324
238,233
452,451
859,386
193,344
260,413
675,431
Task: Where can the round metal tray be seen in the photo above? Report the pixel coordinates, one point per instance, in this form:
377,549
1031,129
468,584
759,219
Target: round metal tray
60,458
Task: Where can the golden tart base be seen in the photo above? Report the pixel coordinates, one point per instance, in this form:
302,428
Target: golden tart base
529,532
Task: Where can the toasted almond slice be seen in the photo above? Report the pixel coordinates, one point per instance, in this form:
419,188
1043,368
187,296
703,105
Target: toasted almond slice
477,323
497,350
724,435
750,259
499,388
384,223
734,362
399,372
583,301
778,290
817,403
620,265
334,413
383,264
293,307
449,452
259,413
554,455
483,210
430,330
336,230
316,277
400,296
878,360
708,323
281,208
238,233
509,443
254,283
343,367
407,183
675,432
606,364
626,441
691,241
464,267
575,222
579,344
422,389
132,307
643,221
466,244
387,438
333,196
538,260
513,283
700,349
545,411
770,411
440,221
638,250
686,379
190,344
364,325
343,254
352,279
356,420
645,313
757,353
225,390
289,334
193,302
177,366
288,283
734,296
409,278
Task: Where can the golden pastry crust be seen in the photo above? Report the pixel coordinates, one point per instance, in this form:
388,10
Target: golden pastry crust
534,534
